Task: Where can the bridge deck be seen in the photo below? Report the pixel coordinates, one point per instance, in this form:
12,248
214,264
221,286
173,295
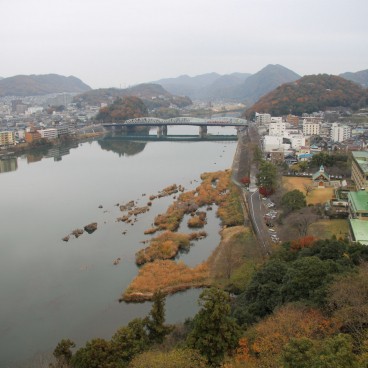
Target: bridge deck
223,121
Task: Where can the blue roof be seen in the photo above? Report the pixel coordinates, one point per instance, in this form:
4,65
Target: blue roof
305,155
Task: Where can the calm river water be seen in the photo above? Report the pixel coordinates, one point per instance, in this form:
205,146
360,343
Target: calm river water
52,289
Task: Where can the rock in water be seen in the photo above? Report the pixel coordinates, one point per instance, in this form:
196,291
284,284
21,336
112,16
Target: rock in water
90,228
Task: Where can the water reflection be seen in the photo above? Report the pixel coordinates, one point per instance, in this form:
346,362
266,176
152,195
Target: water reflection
8,164
122,148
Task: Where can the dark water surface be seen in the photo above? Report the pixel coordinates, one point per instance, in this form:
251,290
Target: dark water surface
52,289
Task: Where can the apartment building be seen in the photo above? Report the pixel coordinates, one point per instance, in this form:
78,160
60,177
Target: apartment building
7,138
311,127
263,118
50,133
340,133
277,129
359,169
358,205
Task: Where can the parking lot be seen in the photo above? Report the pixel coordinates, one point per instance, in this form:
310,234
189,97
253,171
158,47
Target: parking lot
270,215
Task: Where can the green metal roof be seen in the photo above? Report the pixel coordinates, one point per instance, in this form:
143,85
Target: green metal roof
361,157
360,230
359,201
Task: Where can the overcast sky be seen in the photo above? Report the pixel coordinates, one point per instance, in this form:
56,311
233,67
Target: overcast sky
116,43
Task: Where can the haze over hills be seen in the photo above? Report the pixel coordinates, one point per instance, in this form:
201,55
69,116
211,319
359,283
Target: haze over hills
240,87
34,85
204,86
360,77
264,81
311,93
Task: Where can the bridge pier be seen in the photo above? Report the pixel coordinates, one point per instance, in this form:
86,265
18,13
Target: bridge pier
203,131
162,131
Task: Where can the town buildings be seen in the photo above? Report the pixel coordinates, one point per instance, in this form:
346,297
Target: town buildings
359,169
340,133
7,138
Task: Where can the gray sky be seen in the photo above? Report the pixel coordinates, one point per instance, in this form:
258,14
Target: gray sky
112,43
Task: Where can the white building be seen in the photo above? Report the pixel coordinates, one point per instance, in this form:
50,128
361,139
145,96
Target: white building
33,110
276,119
340,133
50,133
62,129
297,141
311,127
271,143
277,129
263,118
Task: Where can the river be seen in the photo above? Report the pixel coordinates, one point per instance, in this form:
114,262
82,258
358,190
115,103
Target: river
51,289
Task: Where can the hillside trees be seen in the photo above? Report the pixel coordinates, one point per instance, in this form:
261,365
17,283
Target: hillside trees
123,109
176,358
336,351
298,274
126,343
348,302
310,93
215,332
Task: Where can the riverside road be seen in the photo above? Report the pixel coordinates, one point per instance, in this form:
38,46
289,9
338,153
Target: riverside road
253,205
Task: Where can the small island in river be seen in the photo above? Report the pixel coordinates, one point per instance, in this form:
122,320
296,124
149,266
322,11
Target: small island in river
159,270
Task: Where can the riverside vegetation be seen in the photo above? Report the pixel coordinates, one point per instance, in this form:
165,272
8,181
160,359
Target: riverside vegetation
159,272
305,306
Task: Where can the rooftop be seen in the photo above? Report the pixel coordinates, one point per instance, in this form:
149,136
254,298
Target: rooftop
360,230
359,201
361,157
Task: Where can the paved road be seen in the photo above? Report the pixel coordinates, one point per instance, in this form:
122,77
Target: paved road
256,212
256,208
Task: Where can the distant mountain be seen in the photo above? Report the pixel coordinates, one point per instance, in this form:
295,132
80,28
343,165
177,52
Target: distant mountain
222,87
186,85
262,82
1,78
153,96
33,85
360,77
205,87
239,87
311,93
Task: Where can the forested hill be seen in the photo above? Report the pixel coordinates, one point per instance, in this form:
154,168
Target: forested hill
153,96
34,85
311,93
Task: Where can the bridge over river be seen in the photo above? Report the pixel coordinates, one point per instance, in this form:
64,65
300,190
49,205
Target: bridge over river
162,124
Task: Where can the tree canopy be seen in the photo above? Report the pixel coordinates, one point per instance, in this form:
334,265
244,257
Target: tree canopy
293,200
129,107
214,331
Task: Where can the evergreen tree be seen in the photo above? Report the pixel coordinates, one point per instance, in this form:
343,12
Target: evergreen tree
157,330
214,332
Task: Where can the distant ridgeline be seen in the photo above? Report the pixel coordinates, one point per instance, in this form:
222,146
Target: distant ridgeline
236,87
35,85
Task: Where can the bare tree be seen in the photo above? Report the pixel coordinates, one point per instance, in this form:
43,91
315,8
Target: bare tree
308,188
303,219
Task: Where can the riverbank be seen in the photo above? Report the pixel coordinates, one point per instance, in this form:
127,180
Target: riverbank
22,148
